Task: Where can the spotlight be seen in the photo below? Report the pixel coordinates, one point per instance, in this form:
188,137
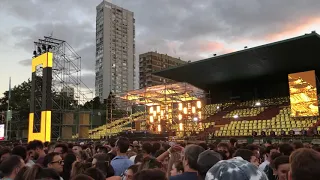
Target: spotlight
35,53
218,107
39,50
258,103
44,48
236,116
195,119
49,47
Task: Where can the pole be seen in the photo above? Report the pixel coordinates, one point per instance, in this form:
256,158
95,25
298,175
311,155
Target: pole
7,118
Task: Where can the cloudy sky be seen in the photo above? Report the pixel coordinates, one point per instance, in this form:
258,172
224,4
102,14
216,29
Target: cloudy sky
190,29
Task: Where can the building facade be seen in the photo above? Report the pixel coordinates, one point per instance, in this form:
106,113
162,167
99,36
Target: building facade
115,50
152,61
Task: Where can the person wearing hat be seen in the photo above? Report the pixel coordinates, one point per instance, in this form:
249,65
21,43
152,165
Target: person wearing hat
235,169
206,160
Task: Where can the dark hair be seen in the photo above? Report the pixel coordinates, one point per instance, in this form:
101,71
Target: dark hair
159,152
103,149
191,154
274,155
20,151
252,147
280,160
20,175
269,148
79,168
233,141
286,149
138,159
305,164
204,146
297,145
150,163
10,164
83,155
103,164
179,166
33,145
147,148
246,154
225,145
123,144
5,151
134,168
95,173
154,174
223,155
64,147
67,166
37,172
49,158
82,177
155,147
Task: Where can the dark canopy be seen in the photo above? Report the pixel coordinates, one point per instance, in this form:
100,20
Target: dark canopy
283,57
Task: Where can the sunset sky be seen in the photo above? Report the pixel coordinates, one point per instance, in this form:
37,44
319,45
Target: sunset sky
190,29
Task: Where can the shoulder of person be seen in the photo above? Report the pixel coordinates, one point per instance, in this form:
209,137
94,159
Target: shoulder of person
114,178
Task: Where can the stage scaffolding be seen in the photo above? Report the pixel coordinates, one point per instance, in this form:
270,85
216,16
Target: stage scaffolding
176,108
69,93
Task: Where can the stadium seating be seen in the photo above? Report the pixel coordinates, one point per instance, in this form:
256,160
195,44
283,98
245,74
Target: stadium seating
248,112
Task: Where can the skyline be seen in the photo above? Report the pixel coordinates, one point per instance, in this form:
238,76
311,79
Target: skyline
174,29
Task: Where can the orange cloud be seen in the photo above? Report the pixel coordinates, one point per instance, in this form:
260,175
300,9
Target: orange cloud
212,46
293,29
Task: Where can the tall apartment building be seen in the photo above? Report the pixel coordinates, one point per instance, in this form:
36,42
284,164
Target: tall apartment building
115,50
152,61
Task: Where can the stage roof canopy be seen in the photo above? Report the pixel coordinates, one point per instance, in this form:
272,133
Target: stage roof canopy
297,54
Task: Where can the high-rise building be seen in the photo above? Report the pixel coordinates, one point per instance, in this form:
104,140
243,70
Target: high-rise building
152,61
115,50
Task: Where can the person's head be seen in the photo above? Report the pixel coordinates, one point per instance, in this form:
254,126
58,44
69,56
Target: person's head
177,168
76,149
4,154
233,142
11,166
154,174
273,156
51,146
191,154
79,168
131,171
281,167
155,147
286,149
255,149
206,160
21,173
297,145
122,145
138,159
35,149
204,145
81,156
82,177
235,169
102,162
20,151
304,165
102,149
224,147
95,173
67,165
147,149
174,158
37,172
269,150
150,163
54,161
62,149
247,155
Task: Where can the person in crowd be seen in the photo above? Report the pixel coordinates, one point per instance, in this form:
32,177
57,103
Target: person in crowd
247,155
235,169
79,168
203,145
11,166
67,166
147,149
206,160
175,157
138,159
22,152
82,177
121,162
101,161
37,172
269,149
297,145
95,173
81,156
177,168
51,146
269,168
5,153
76,149
281,167
233,142
150,163
304,165
131,171
255,149
155,147
54,161
224,147
62,149
21,173
190,166
268,143
285,149
150,174
37,151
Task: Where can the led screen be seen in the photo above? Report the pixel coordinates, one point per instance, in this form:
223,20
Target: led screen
303,94
1,131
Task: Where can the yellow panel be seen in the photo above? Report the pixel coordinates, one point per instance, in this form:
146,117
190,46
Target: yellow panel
45,127
44,59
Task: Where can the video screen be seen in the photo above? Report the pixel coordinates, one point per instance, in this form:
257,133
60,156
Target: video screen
303,94
1,131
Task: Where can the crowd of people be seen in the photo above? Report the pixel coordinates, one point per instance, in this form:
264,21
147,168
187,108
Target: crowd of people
124,160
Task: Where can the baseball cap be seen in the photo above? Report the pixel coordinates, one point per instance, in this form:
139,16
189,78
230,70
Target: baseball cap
207,159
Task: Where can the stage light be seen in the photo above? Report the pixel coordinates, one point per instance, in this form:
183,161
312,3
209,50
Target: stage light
49,47
236,116
158,109
185,110
193,109
161,113
159,128
199,104
218,107
151,119
180,107
44,48
39,50
154,113
159,118
151,110
180,117
258,103
35,53
199,115
195,119
180,126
